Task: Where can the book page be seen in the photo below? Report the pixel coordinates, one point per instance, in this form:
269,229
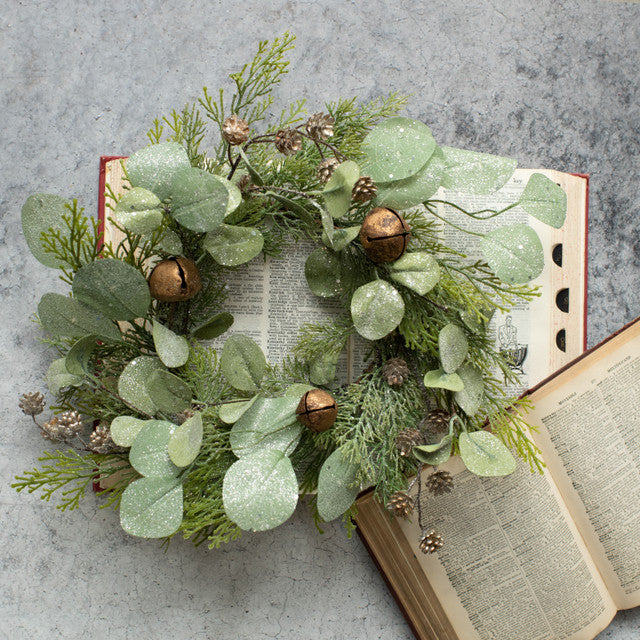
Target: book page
513,565
591,442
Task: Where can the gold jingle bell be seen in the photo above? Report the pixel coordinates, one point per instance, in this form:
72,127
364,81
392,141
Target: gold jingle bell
384,235
175,279
317,410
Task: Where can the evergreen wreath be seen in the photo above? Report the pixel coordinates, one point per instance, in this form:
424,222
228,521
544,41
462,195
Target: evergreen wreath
183,437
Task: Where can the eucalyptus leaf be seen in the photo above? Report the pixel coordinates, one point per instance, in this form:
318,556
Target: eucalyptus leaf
438,379
234,194
152,507
58,377
434,454
199,201
125,429
514,253
242,363
140,211
470,398
293,206
337,191
255,176
214,326
545,200
336,486
327,227
418,271
168,392
230,246
132,385
185,441
476,173
172,349
322,270
64,316
260,491
376,309
170,242
477,324
341,238
149,453
322,369
113,288
485,455
298,389
78,358
231,411
155,166
453,347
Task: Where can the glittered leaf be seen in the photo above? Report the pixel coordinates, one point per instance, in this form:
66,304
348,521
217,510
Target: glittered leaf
418,271
230,245
440,380
114,288
253,172
231,411
336,490
545,200
260,491
269,423
185,441
170,242
234,194
242,363
376,309
298,389
168,392
434,454
132,384
125,429
78,358
453,347
172,349
396,149
337,192
139,210
341,238
41,212
473,322
484,455
152,507
322,270
476,173
149,454
58,377
198,200
514,253
214,326
322,370
327,227
470,398
64,316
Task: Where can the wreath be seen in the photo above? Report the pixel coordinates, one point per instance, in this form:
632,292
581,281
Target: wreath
206,439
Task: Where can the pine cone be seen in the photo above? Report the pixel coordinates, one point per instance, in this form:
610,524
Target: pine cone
244,183
235,130
439,482
436,422
183,416
395,371
288,141
431,541
400,504
101,442
70,424
51,430
320,126
364,189
31,404
326,168
407,439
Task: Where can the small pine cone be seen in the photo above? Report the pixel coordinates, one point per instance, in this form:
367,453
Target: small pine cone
436,422
31,404
431,541
400,504
407,439
326,168
244,183
395,372
51,430
288,141
70,424
235,130
364,189
440,482
320,126
100,440
183,416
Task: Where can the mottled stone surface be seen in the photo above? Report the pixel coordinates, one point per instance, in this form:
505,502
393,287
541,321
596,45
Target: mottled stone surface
553,83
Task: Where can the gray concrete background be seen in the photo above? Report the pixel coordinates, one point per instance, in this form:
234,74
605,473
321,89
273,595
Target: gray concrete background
553,83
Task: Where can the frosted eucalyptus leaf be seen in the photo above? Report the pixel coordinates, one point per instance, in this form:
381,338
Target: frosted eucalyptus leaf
376,309
322,370
152,507
234,194
470,398
434,454
243,363
214,326
230,246
341,238
199,201
337,191
154,167
64,316
322,270
231,411
40,213
484,455
476,173
168,392
545,200
149,454
473,322
172,349
336,486
170,242
58,377
327,227
418,271
139,210
453,347
125,429
396,149
185,441
132,384
440,380
114,288
269,423
514,253
253,172
79,356
260,491
298,389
